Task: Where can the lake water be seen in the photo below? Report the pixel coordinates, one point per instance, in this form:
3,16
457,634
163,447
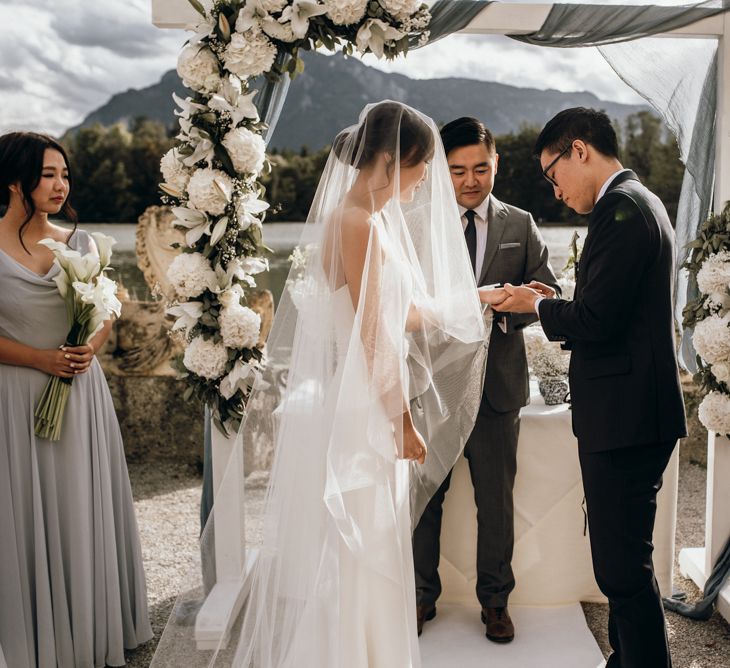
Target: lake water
281,238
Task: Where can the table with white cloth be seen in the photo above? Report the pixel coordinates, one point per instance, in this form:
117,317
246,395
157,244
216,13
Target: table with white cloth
552,559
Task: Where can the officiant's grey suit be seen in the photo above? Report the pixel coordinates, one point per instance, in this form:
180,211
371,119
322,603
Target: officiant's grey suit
515,253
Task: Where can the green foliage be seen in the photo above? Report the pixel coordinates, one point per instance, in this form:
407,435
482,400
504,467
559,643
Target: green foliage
116,171
714,236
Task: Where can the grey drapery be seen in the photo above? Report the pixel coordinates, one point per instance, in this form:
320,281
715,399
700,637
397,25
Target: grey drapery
703,609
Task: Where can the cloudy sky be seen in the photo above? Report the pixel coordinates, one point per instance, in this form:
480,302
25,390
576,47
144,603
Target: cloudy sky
61,59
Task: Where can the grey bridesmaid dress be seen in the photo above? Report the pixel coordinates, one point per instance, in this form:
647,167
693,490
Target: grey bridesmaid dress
72,585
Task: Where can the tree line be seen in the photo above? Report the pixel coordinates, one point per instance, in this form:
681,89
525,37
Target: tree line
116,171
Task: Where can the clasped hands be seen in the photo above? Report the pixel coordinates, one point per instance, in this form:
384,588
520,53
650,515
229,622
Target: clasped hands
515,298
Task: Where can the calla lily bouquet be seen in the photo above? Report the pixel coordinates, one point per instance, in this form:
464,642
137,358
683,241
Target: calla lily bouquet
91,299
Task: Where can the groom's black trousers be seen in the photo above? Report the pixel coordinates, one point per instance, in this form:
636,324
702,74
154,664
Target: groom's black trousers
620,488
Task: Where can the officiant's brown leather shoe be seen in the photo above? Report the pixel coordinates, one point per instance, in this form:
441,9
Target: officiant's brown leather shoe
424,613
499,624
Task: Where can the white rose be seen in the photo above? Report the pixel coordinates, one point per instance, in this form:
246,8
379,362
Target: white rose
721,371
239,326
205,358
246,149
711,339
714,412
210,190
249,54
191,274
401,9
714,274
199,68
345,12
174,171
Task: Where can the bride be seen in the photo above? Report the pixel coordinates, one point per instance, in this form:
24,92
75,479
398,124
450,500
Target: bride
383,341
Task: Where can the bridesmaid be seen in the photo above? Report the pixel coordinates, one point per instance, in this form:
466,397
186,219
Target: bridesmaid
72,585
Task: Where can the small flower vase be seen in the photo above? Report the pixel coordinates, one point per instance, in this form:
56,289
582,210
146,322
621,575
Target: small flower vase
553,390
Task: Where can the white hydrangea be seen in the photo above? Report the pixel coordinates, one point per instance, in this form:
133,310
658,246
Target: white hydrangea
191,274
721,371
718,302
205,358
714,274
210,190
246,149
712,339
240,326
567,286
249,54
714,413
345,12
174,171
401,9
199,68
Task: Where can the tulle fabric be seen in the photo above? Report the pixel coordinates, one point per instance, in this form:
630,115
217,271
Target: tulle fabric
332,583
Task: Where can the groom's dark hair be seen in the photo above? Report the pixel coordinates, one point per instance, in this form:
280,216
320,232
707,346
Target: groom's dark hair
466,131
590,125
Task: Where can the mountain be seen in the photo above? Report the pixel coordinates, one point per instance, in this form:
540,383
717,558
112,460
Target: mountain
332,90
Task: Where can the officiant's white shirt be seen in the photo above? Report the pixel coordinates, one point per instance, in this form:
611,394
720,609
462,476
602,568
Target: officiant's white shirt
480,221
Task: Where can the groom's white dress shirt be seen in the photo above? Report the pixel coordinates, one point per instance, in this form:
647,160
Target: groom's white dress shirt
480,221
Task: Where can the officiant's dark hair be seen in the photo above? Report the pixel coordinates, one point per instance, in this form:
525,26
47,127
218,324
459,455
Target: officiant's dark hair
592,126
21,162
466,131
377,135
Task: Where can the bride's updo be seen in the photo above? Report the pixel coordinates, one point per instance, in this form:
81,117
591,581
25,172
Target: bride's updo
386,126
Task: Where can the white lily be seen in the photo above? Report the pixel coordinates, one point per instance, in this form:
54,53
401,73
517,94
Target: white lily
232,296
104,245
204,149
247,208
230,100
187,314
241,377
218,230
202,29
374,34
187,106
299,13
196,222
280,29
250,16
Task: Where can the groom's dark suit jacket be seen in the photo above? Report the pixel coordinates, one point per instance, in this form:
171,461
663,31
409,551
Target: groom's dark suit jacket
624,382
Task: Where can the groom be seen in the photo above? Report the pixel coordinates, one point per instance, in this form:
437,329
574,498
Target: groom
627,402
504,245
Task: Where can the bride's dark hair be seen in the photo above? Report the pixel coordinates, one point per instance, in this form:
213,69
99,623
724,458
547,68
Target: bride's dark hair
21,162
387,125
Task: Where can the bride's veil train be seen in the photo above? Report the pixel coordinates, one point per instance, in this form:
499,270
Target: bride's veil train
333,584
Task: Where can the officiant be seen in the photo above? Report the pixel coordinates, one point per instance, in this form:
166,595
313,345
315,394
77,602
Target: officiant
504,246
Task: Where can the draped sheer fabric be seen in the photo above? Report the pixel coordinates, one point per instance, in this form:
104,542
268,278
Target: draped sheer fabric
379,321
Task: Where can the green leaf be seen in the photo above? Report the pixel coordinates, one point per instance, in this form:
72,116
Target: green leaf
187,395
197,7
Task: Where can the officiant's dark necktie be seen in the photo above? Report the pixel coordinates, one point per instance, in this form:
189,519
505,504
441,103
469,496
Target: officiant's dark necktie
470,234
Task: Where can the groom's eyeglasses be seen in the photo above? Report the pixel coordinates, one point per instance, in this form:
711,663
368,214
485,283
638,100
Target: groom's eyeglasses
552,164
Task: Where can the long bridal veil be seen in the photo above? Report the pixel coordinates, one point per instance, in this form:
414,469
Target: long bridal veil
379,317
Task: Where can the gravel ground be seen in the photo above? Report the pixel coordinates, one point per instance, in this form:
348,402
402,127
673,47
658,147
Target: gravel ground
167,497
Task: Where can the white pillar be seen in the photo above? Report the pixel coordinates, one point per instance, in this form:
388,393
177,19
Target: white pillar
213,622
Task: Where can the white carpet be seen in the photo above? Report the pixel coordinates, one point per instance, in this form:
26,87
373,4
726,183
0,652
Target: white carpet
546,637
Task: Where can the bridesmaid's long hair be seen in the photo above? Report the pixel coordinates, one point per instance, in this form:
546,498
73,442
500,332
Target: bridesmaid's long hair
21,162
